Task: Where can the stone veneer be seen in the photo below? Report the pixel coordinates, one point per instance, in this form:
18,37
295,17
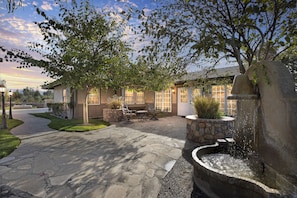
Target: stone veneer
207,131
112,115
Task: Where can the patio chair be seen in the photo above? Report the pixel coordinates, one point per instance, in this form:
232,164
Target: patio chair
127,113
152,111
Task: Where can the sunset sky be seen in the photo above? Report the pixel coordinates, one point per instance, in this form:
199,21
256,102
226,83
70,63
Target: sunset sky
17,29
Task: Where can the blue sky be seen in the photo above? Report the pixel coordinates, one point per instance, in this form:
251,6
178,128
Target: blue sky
17,29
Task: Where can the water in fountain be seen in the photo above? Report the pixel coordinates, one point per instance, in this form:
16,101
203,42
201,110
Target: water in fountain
238,167
228,164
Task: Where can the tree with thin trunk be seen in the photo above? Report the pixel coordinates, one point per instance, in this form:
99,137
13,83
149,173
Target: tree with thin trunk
82,49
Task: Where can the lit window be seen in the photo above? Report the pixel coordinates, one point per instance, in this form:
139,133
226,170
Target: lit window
129,97
139,98
196,92
231,104
93,97
163,100
133,97
184,95
64,96
218,93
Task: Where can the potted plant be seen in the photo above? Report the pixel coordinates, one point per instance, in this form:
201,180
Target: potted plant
113,113
208,125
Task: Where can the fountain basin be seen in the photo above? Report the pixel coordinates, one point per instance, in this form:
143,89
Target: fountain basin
215,183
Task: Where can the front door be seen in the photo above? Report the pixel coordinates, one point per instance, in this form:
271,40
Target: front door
184,105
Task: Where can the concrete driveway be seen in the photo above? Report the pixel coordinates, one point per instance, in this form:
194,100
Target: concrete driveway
118,161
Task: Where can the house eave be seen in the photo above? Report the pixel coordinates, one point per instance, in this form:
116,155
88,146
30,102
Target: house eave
219,73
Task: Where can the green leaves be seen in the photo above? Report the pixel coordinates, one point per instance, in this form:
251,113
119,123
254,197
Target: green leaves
238,29
83,47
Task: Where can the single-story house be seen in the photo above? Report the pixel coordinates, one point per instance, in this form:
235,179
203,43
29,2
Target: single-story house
176,101
214,83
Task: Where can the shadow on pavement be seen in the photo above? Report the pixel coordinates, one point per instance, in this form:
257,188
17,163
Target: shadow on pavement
172,127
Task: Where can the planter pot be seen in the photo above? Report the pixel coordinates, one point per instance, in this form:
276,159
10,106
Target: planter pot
112,115
207,131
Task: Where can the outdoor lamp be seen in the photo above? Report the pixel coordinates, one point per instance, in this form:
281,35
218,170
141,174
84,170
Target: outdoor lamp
10,112
2,90
173,90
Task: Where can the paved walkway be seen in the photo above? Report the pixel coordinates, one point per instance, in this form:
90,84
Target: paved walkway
118,161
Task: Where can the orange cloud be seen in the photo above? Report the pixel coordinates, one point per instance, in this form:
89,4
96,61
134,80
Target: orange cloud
21,78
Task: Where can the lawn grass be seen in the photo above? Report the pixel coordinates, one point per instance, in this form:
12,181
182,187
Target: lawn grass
72,125
9,142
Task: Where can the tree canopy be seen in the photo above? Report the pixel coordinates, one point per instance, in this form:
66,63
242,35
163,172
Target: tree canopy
82,48
241,30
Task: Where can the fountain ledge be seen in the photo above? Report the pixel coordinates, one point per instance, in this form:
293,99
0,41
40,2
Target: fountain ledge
214,183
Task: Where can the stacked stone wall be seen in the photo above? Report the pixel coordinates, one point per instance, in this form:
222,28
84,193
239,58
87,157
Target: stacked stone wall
112,115
207,131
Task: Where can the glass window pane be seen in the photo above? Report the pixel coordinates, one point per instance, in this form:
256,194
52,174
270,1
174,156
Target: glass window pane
158,100
231,109
196,92
163,100
93,97
167,101
64,96
218,93
129,97
184,95
139,97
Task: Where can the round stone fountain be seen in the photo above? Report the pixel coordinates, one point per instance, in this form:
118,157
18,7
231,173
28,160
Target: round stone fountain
264,141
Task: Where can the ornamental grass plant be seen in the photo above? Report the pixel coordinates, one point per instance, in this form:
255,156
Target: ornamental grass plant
206,107
115,102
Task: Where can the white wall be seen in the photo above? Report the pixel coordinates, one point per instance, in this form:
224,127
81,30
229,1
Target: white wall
58,94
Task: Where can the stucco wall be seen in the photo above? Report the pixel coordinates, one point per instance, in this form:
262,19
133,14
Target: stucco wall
96,111
58,94
277,140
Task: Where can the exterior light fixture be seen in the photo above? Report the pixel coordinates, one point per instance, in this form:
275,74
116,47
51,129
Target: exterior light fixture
2,90
173,90
10,112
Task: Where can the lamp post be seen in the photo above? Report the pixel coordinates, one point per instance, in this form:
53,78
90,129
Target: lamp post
2,90
10,112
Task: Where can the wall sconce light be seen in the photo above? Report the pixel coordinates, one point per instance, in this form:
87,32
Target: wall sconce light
173,90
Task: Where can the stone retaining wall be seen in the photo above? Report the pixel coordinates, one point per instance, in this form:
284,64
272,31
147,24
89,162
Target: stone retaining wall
112,115
207,131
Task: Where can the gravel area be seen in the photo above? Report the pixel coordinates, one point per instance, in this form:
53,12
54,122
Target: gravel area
178,182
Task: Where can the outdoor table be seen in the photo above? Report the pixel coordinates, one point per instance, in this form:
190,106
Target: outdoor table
141,114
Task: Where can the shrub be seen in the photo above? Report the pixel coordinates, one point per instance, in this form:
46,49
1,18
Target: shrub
114,102
206,107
